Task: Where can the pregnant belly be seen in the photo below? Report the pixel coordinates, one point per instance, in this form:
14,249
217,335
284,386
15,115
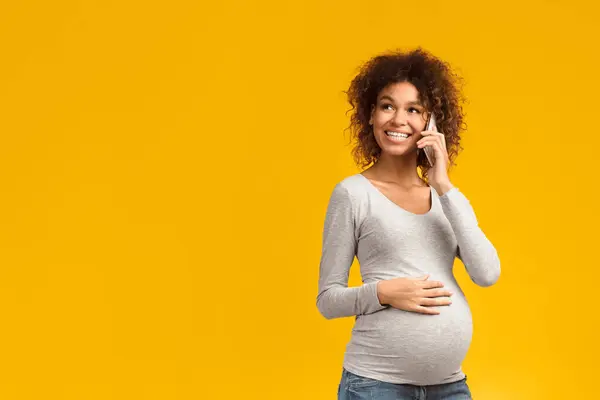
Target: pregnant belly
412,347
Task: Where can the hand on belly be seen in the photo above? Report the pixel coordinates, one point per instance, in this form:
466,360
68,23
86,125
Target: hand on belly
418,295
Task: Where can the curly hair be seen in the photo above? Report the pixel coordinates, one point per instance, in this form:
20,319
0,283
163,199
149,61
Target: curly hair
440,92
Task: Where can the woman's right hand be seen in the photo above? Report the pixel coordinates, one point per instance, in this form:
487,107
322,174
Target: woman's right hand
413,294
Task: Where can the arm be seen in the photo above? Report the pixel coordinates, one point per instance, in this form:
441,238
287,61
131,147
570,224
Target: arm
474,249
335,299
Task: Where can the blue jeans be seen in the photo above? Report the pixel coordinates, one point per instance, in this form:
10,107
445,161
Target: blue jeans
354,387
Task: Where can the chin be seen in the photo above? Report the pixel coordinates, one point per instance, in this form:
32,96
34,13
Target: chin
397,150
397,153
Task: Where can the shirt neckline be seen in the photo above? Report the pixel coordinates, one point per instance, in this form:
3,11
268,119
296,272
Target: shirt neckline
380,193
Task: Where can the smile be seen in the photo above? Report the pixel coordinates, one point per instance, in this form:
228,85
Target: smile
397,136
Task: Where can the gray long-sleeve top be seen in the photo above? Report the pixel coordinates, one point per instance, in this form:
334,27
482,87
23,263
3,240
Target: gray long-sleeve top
389,344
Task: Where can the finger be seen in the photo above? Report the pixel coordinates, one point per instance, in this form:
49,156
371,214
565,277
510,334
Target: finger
426,310
429,140
437,149
433,136
431,133
431,284
438,301
436,293
440,136
420,278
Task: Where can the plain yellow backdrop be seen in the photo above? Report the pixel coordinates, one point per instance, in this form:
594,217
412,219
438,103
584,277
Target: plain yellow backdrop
165,169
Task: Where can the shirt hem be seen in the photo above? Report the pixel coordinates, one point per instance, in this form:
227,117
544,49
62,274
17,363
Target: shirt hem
391,379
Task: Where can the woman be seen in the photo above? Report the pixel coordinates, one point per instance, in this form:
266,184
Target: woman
413,324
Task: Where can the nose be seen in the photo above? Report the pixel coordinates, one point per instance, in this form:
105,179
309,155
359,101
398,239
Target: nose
400,118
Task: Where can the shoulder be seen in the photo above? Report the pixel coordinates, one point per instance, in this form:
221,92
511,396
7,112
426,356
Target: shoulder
350,188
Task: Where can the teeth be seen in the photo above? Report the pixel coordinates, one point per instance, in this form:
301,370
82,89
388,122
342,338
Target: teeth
397,134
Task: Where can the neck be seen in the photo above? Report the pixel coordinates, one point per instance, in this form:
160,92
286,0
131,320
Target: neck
400,170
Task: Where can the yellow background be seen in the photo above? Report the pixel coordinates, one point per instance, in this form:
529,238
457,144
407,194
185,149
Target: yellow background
165,169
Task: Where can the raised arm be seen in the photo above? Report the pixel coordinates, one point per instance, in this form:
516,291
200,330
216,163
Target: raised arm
474,249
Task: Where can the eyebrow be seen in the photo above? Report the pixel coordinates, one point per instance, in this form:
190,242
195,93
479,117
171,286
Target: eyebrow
409,103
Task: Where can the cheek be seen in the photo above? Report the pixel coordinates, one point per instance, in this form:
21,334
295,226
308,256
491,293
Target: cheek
381,119
417,122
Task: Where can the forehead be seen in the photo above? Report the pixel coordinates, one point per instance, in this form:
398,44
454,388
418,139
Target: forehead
402,91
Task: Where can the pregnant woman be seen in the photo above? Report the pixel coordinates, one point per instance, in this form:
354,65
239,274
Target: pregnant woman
413,324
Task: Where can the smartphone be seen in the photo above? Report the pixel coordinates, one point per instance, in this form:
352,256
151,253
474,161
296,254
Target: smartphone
427,149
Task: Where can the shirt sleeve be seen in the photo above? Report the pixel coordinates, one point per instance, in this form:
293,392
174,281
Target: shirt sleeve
474,249
335,299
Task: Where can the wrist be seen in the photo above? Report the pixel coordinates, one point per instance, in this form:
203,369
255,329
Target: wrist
381,293
442,187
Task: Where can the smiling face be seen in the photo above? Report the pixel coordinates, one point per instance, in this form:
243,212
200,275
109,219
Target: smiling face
398,118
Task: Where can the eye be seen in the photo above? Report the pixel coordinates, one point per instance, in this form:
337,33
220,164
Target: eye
386,105
418,111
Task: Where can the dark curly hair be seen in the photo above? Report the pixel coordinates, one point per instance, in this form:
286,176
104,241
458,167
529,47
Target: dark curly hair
440,92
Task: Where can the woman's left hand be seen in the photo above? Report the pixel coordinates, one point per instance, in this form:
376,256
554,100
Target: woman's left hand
438,174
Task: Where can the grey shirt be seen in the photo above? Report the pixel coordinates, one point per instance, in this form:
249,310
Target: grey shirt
389,344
